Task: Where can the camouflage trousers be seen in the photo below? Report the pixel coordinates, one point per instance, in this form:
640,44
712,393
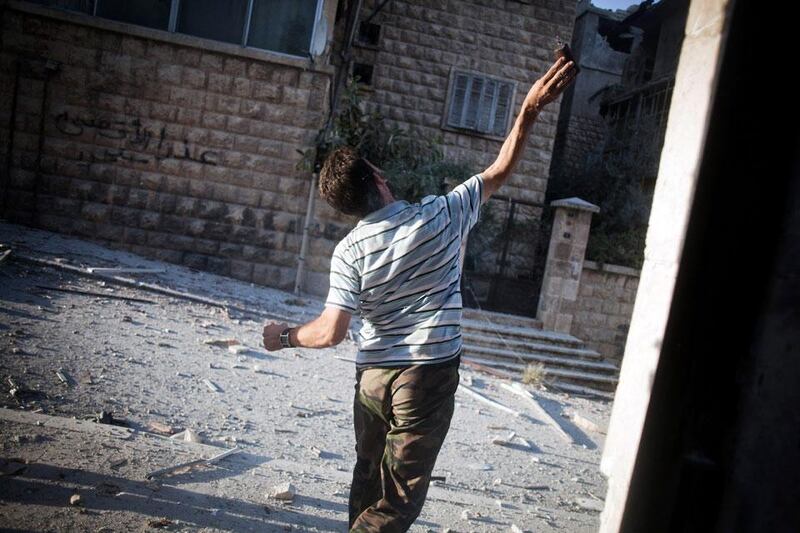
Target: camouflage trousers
401,418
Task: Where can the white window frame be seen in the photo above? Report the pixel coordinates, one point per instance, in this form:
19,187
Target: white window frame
461,128
173,23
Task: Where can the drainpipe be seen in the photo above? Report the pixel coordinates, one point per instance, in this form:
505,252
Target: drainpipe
50,68
301,261
12,121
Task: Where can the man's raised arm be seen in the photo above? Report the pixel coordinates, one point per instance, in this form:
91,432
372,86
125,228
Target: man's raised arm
545,90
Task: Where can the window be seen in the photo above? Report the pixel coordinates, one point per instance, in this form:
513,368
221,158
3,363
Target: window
212,19
479,103
369,34
284,26
150,13
363,73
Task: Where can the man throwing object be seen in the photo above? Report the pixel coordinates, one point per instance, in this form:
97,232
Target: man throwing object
399,268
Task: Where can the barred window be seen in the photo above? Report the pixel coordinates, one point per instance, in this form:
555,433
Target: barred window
283,26
479,103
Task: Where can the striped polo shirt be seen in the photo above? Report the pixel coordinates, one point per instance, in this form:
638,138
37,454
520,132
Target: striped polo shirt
400,269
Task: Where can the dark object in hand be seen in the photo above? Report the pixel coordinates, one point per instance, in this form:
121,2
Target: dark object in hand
565,52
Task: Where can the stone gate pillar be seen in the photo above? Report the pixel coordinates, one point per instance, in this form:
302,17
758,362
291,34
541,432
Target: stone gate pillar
565,256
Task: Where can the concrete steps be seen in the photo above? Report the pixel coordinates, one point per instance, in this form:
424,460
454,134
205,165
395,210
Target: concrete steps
501,319
519,333
534,356
521,346
512,343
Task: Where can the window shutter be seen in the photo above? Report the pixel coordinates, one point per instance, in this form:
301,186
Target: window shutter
458,100
502,107
487,106
479,103
475,88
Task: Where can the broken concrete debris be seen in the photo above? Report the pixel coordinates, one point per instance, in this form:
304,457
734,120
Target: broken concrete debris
488,401
63,377
221,343
188,435
160,523
124,270
116,463
284,492
213,387
158,427
584,423
106,417
588,504
480,466
189,464
238,349
504,441
95,294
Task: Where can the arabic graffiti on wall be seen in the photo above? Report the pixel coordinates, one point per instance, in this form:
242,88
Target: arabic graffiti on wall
142,144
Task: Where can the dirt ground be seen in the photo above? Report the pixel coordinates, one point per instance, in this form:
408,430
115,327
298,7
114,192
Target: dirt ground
143,364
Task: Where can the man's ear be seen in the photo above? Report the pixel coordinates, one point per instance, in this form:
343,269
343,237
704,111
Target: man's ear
382,184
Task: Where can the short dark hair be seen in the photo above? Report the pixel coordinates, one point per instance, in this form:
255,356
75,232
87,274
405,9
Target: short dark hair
346,182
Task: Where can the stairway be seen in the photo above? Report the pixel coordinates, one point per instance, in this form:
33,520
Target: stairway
509,343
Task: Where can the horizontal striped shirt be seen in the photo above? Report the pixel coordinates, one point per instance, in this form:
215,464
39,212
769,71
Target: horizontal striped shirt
400,269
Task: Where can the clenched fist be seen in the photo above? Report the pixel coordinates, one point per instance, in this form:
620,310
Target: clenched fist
272,336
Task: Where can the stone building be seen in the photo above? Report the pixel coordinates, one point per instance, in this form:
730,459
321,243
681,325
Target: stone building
618,106
581,128
154,127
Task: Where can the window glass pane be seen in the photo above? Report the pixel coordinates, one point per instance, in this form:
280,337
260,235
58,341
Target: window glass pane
282,25
84,6
213,19
150,13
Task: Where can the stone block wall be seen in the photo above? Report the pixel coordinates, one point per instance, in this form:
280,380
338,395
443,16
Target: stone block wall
167,145
604,307
578,138
422,40
185,149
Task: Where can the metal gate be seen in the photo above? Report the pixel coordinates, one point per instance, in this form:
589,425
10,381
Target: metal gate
506,253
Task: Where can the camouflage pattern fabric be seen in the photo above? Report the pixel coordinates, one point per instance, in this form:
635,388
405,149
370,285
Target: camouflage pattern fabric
401,418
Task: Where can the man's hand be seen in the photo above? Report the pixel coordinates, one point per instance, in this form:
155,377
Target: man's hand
548,87
272,336
545,90
328,329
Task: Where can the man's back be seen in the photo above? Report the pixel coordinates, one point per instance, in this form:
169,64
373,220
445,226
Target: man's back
400,267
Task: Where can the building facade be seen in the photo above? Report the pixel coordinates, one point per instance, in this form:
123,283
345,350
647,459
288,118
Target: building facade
147,127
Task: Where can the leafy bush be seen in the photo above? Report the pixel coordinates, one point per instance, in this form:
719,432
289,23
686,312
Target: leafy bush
413,162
